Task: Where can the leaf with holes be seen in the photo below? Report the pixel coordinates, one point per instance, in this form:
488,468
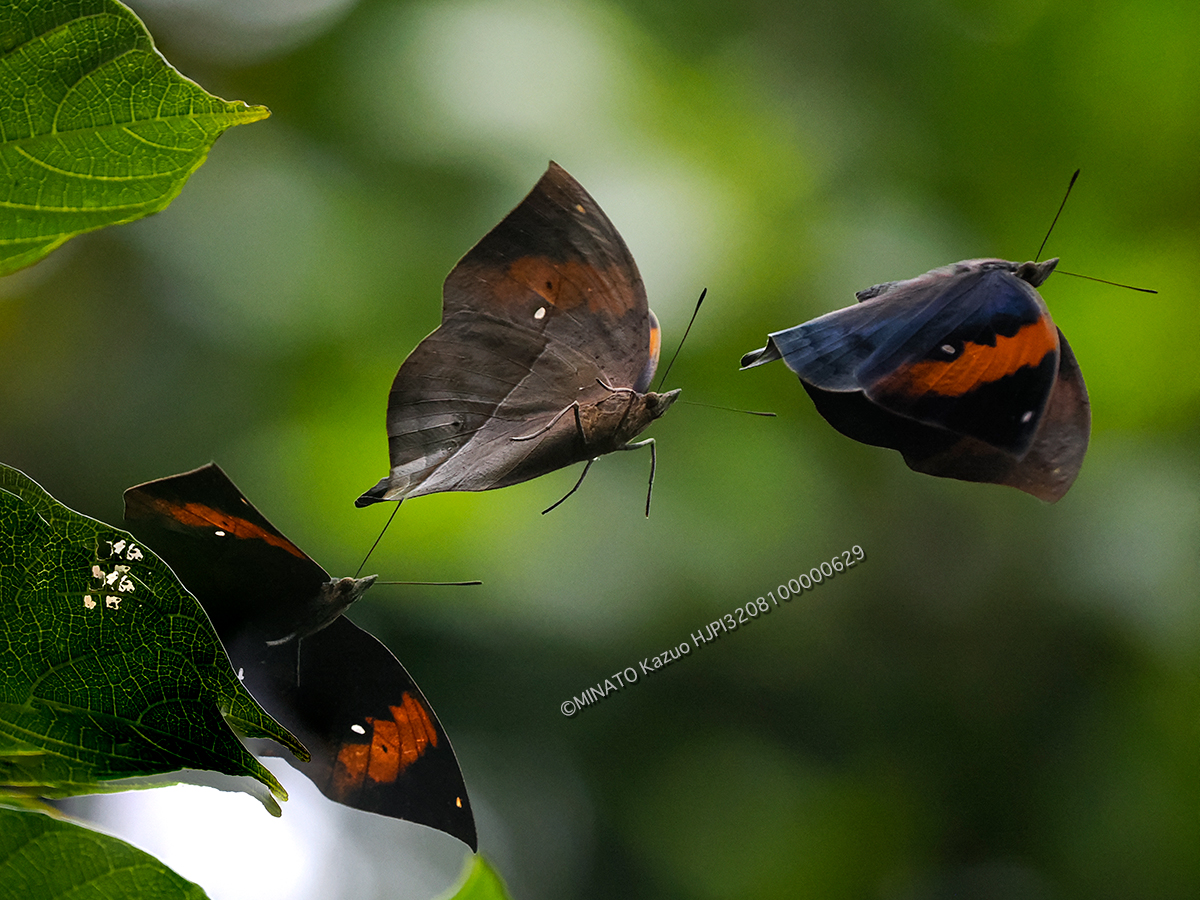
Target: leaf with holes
109,669
45,858
96,128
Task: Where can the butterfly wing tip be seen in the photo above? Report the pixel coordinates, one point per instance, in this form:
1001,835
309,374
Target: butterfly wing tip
760,356
376,494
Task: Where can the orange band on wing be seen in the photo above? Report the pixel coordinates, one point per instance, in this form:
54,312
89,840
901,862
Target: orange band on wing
566,285
978,363
197,515
395,744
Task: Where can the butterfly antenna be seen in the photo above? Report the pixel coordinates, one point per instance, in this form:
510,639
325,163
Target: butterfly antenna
434,583
378,539
1076,274
749,412
1103,281
1056,215
653,466
572,490
695,313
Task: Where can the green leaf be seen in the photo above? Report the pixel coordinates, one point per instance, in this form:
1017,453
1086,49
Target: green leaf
96,128
481,882
109,669
43,857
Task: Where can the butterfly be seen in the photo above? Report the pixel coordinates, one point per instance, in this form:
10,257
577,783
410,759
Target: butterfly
375,742
960,369
543,359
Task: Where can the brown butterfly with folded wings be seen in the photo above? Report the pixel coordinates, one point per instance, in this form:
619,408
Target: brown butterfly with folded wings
543,358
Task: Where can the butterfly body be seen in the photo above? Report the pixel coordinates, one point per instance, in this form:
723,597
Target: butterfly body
543,358
375,742
960,369
333,598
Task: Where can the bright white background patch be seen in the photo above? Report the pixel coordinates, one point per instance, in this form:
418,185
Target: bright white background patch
318,850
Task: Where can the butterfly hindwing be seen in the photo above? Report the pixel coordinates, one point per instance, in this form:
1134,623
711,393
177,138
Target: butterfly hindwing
385,753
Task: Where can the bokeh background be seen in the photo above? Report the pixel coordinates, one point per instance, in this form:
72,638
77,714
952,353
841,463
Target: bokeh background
1001,701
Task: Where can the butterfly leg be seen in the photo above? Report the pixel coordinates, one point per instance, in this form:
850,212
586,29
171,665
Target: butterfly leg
616,390
648,442
562,412
299,643
572,490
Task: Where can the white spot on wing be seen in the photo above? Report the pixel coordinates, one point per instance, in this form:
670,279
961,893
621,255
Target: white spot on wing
219,533
1026,418
358,729
541,313
948,349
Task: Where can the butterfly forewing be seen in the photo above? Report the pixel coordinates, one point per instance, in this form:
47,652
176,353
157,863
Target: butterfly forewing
224,551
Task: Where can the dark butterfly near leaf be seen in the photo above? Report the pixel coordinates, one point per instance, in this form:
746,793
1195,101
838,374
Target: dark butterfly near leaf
543,358
376,744
960,369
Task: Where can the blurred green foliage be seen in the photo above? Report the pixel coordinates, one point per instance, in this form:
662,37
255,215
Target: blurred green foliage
1003,700
96,128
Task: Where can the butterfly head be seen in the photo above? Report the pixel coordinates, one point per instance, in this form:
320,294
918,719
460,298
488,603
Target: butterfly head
342,592
333,599
657,404
1036,272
